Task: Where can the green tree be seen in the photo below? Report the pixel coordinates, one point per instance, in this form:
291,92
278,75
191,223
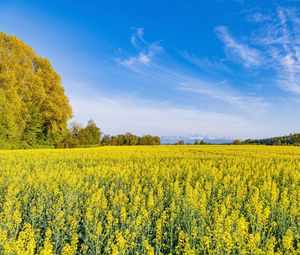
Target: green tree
93,133
106,140
131,139
237,142
84,136
149,140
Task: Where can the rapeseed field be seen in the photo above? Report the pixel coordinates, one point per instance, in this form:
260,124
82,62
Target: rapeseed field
151,200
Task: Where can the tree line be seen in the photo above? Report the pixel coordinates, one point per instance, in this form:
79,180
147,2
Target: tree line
91,135
130,139
292,139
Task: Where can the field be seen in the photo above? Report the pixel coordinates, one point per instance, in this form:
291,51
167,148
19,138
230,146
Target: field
151,200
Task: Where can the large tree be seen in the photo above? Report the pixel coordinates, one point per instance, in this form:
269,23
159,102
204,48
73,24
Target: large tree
33,105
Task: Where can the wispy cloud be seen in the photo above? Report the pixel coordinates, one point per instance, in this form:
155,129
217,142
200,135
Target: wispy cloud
287,54
247,103
249,56
169,75
212,66
274,46
141,58
138,37
280,41
258,17
145,51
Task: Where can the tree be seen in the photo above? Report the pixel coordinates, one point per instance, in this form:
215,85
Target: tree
120,139
156,140
33,105
131,139
196,142
74,130
149,140
236,142
93,133
79,135
106,140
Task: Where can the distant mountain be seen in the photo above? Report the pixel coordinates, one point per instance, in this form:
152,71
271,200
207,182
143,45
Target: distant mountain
190,139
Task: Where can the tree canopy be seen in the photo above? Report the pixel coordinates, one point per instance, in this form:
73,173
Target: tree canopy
130,139
33,106
78,135
292,139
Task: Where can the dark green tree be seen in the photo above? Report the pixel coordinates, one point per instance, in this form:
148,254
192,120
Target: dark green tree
79,135
93,133
106,140
236,142
131,139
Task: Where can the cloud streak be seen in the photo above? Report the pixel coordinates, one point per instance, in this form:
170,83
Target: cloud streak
248,104
138,37
274,46
249,56
172,77
146,51
284,47
212,67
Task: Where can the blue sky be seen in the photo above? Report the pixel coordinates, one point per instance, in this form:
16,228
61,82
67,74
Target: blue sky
218,68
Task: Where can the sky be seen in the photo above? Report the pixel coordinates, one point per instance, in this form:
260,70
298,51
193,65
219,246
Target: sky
221,68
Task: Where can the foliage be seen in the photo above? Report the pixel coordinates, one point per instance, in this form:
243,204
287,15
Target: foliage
130,139
151,200
237,142
292,139
83,136
149,140
198,142
89,135
33,106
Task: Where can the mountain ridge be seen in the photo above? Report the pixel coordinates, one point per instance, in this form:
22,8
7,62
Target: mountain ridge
190,139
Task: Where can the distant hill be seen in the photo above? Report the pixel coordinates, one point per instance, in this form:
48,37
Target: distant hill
190,139
292,139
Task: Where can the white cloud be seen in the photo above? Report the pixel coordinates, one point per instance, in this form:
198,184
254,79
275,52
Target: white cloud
173,77
258,17
146,51
248,104
141,58
249,56
278,41
213,67
281,43
288,58
137,37
119,114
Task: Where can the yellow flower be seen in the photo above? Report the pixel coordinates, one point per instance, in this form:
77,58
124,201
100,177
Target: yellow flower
48,248
287,241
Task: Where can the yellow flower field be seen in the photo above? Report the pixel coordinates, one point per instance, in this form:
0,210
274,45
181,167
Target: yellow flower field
151,200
